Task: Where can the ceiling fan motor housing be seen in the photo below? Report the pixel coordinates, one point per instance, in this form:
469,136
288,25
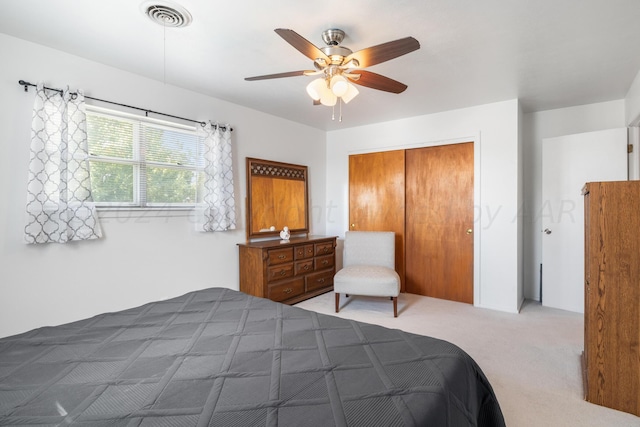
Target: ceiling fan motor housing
333,36
336,53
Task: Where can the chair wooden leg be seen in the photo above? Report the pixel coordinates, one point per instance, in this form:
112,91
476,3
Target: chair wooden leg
337,302
395,306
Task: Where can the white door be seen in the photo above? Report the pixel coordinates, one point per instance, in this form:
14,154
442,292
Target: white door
568,162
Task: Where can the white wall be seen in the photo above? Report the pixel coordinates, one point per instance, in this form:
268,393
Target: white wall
143,258
494,130
547,124
521,205
632,103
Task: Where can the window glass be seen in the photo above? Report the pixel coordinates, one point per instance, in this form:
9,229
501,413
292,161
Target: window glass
135,161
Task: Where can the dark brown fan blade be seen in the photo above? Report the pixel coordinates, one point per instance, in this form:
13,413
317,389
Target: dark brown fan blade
307,48
383,52
279,75
377,81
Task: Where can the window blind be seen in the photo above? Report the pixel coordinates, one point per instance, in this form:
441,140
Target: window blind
141,162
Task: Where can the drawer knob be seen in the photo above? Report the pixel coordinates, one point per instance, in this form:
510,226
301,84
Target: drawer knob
321,280
325,250
306,267
283,272
282,256
287,290
325,262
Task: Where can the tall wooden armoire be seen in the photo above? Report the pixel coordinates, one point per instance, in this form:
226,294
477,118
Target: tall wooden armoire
612,295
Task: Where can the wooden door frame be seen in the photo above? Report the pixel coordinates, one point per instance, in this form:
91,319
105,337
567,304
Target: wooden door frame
477,196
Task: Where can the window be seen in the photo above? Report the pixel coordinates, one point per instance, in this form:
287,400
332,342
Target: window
141,162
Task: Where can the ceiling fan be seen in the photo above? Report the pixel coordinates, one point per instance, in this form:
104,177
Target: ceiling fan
338,66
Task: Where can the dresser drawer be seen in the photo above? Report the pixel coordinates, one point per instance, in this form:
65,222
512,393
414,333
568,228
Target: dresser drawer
284,291
319,280
304,267
280,256
302,252
325,248
279,272
323,262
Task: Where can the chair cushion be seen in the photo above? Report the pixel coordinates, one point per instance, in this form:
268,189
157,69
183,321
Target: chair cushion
367,280
369,248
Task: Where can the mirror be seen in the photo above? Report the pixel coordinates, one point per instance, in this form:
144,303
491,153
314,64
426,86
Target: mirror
276,197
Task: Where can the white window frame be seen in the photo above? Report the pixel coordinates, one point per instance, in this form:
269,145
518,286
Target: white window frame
139,163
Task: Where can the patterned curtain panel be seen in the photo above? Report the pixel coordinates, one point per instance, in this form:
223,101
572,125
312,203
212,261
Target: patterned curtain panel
218,211
59,203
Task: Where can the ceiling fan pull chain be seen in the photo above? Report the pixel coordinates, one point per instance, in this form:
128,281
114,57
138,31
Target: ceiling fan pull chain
340,119
333,112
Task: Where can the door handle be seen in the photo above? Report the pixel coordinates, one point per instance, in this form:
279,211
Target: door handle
353,226
469,230
547,231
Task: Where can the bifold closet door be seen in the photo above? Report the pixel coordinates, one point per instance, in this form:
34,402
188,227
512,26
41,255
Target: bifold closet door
439,221
376,197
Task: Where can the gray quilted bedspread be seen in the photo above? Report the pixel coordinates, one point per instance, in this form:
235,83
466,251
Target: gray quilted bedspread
218,357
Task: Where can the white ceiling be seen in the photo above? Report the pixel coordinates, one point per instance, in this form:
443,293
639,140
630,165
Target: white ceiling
548,53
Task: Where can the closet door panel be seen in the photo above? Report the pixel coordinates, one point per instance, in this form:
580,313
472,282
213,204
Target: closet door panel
376,197
439,222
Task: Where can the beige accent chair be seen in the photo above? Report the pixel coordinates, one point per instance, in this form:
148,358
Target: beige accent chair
368,267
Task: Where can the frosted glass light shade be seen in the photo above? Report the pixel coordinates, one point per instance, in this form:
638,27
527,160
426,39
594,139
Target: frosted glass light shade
328,98
316,88
339,85
339,88
351,93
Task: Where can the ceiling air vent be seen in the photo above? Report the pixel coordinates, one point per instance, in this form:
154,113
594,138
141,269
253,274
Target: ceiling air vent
166,14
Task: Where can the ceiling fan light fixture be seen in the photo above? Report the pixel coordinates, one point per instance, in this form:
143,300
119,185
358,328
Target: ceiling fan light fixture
316,88
339,85
351,93
340,66
328,98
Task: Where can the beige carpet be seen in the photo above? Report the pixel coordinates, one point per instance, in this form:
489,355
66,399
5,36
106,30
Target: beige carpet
532,358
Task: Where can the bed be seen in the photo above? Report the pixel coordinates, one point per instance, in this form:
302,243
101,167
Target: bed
218,357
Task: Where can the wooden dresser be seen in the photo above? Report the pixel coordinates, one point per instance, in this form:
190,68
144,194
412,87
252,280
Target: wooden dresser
612,295
288,272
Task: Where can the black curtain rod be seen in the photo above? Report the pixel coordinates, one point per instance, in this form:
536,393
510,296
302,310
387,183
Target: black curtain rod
146,111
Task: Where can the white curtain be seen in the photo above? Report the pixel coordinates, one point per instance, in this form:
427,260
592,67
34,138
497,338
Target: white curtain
59,204
218,210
